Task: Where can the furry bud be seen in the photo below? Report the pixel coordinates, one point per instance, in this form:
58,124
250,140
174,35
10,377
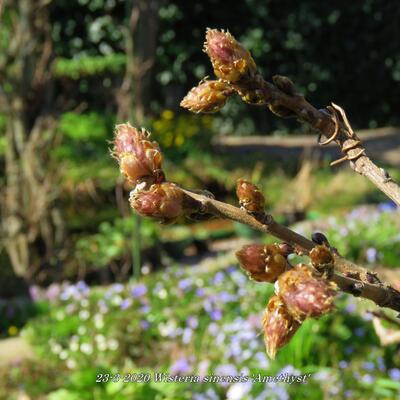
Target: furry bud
163,201
138,157
230,60
322,259
250,196
207,97
278,326
305,295
263,263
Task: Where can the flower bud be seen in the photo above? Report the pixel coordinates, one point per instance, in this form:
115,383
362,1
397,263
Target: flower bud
322,259
285,84
263,263
250,196
285,248
138,157
278,325
163,201
305,295
281,111
230,60
207,97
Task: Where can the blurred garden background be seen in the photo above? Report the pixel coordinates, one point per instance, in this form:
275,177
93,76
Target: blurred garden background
87,287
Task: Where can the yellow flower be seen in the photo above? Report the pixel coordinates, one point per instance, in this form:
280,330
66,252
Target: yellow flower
167,114
12,330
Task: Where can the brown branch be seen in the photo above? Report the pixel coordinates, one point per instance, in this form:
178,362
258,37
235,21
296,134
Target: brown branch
328,124
350,277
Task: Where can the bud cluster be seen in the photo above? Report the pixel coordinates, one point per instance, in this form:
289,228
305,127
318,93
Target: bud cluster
236,70
299,294
140,160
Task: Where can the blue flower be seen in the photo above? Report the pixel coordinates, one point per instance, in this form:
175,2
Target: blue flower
138,291
371,254
187,335
225,297
218,278
192,322
180,367
126,303
216,314
350,308
387,206
359,331
144,324
117,287
381,364
367,378
343,364
145,309
369,365
200,292
185,284
394,374
226,369
82,286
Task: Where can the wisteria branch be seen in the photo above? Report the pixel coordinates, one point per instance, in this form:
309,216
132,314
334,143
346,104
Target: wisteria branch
350,278
301,291
238,74
333,124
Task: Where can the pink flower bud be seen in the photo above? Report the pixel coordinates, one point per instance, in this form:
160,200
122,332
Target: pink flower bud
138,157
230,60
163,201
263,263
207,97
278,325
250,196
305,295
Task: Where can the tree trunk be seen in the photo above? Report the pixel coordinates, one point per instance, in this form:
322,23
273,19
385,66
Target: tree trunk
31,225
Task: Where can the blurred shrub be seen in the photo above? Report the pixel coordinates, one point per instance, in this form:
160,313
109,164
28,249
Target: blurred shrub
113,240
181,135
314,43
3,121
89,65
138,328
367,234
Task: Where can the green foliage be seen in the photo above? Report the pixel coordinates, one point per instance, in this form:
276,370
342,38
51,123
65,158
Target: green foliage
132,329
84,138
113,240
89,66
85,127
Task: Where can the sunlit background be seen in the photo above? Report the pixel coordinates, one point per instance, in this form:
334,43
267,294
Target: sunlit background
88,288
